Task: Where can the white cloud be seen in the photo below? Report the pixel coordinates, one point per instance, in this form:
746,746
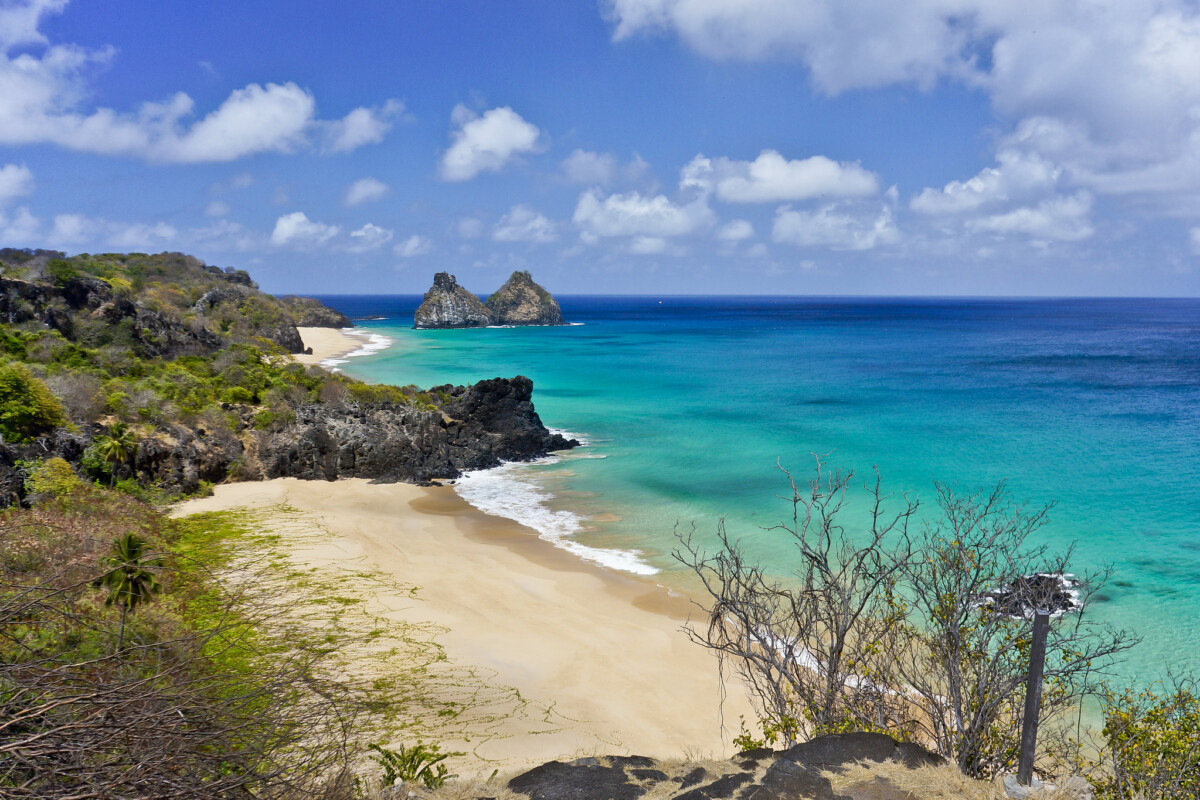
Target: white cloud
647,245
595,169
369,237
414,245
469,227
523,224
835,228
1107,92
43,99
1194,237
362,126
735,231
486,143
634,214
296,230
1058,218
22,229
142,236
366,190
771,178
1018,175
16,180
216,208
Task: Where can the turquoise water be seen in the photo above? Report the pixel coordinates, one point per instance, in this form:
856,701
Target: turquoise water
688,403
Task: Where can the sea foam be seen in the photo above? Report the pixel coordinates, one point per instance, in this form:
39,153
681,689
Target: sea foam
511,490
373,344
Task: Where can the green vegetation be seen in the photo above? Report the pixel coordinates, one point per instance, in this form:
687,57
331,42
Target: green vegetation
27,407
129,580
419,762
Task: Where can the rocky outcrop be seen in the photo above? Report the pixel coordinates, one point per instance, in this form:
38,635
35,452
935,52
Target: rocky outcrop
476,427
520,301
448,305
754,775
480,427
308,312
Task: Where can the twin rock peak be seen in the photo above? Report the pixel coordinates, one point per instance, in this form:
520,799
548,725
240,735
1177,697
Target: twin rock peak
519,301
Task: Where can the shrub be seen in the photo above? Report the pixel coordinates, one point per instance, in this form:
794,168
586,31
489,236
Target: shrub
27,407
52,478
1153,739
60,272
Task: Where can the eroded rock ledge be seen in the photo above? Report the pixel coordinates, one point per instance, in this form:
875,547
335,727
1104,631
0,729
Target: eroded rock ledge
762,774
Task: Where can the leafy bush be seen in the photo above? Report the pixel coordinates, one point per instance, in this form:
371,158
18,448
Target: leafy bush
27,407
52,478
409,764
1153,741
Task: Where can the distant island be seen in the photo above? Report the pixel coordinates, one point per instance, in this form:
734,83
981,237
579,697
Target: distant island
520,301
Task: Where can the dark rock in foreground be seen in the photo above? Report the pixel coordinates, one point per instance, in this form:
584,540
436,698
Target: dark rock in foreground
761,774
520,301
448,305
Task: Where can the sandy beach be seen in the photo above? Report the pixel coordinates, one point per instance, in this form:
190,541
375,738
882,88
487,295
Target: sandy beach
600,653
326,343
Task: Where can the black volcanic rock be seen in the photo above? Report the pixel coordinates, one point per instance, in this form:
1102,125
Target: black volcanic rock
448,305
791,774
520,301
308,312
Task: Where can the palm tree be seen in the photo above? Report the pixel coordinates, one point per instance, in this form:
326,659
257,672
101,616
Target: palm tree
129,582
116,447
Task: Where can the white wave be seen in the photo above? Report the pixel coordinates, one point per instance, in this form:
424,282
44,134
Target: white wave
375,342
510,491
566,434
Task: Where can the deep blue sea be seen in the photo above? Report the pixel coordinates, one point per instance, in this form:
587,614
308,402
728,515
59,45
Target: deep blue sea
688,403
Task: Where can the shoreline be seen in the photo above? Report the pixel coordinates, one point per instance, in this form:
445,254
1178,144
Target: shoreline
600,650
333,346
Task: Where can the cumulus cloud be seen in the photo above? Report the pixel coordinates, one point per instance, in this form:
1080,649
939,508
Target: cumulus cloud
362,126
835,228
16,180
1106,92
1194,237
634,214
735,231
369,237
365,190
523,224
469,227
1017,175
297,230
1058,218
486,143
647,245
413,246
22,229
43,99
771,178
595,169
216,208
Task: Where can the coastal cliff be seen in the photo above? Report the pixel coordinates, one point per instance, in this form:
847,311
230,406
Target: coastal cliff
520,301
448,305
186,368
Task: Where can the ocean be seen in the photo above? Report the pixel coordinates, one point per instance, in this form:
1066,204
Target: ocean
689,405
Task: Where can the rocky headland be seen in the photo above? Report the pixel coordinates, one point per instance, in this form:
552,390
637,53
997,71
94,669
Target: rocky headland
191,360
520,301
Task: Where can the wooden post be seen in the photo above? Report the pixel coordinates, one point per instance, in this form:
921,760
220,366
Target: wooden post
1033,697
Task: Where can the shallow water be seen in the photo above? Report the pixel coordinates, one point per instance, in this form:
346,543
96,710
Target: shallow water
1093,405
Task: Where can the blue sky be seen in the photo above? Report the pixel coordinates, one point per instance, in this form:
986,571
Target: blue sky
1023,147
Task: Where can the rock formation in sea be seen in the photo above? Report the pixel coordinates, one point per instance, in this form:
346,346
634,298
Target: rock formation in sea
520,301
448,305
